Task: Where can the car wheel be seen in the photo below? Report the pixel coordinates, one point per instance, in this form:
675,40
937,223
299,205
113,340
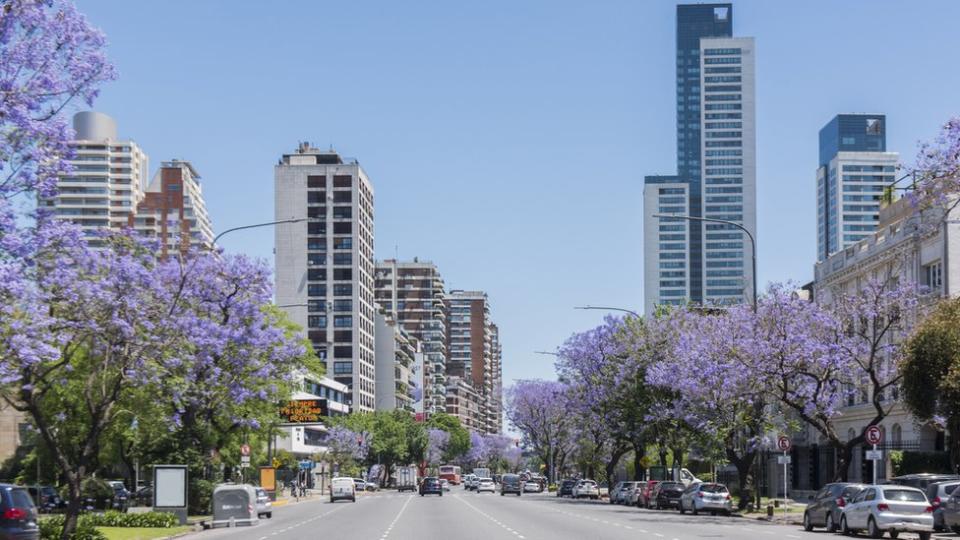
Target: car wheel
844,530
831,526
872,530
694,508
353,499
441,494
682,511
955,529
269,515
807,524
894,534
502,494
924,536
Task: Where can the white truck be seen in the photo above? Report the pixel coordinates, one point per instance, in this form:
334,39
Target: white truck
681,475
406,478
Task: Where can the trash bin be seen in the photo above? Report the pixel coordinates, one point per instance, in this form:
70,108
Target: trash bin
234,504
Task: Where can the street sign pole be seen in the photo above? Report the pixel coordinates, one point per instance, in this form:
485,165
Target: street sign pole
784,481
875,465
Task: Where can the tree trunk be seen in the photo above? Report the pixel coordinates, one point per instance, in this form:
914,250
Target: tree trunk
844,460
743,465
953,434
614,461
74,502
638,472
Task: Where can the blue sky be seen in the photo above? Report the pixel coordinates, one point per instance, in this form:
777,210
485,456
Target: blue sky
507,141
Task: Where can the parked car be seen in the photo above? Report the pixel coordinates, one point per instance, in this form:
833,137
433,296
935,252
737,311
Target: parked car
938,493
586,489
628,493
486,484
469,482
615,492
825,507
46,498
444,484
532,486
888,508
645,493
667,495
143,496
706,497
18,514
343,488
431,486
121,497
264,506
922,480
510,483
951,512
360,484
566,488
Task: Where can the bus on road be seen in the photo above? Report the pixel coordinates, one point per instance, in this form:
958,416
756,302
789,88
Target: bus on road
451,473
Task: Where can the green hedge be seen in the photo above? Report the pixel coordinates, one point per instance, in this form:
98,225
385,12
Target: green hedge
910,462
87,525
50,529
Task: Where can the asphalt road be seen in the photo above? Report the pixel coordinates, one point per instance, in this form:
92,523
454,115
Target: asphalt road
462,515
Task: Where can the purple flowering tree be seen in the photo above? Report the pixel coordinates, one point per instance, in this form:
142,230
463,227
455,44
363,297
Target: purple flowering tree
345,446
437,442
936,171
539,411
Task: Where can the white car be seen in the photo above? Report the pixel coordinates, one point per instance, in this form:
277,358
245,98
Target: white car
706,497
486,484
888,508
343,488
586,489
444,484
469,482
531,487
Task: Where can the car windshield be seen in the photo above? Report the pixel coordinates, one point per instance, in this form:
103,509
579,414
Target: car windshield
713,488
904,495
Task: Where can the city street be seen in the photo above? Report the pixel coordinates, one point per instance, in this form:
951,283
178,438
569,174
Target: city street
460,514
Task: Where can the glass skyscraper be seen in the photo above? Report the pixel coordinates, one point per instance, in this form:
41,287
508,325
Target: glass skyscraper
687,261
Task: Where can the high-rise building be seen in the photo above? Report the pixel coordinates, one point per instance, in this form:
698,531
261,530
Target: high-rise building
107,179
853,172
173,210
695,261
473,357
412,293
397,378
325,266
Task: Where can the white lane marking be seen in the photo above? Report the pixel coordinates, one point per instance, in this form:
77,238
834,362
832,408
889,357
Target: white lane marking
491,518
394,522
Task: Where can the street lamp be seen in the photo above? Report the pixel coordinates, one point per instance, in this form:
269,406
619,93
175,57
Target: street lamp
547,352
753,244
607,308
267,224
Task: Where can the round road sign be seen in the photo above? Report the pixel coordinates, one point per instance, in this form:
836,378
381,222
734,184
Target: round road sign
245,450
874,435
784,444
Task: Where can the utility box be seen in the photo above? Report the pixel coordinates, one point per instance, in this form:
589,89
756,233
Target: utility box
234,504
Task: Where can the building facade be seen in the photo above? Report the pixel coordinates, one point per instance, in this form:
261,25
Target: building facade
397,377
412,293
854,171
473,358
694,261
173,211
466,403
324,264
107,182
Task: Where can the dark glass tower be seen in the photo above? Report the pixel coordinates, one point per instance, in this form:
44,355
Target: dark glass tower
694,21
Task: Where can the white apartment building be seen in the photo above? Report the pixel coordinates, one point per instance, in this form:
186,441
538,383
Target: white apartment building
173,211
412,293
729,167
666,261
398,374
927,256
324,264
107,181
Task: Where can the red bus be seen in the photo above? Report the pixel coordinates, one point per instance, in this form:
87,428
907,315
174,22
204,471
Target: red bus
451,473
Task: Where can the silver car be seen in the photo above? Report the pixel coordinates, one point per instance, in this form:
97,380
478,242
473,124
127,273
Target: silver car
586,489
888,508
264,506
706,497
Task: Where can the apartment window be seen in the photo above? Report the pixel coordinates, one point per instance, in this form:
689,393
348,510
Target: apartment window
316,259
343,243
344,227
342,212
316,306
317,274
342,274
932,275
342,181
317,321
316,212
343,258
317,227
317,244
343,289
343,305
316,290
343,352
342,196
316,197
342,368
343,336
316,181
